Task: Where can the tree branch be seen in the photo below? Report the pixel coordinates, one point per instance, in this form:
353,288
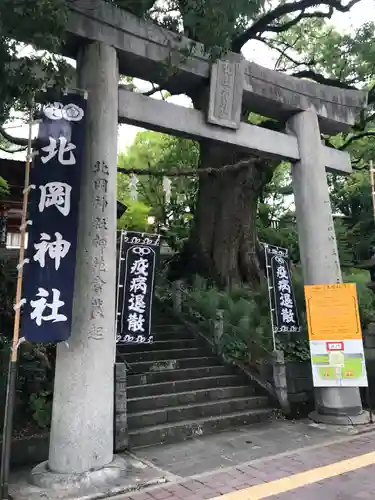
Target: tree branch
11,151
356,161
152,91
280,28
266,22
364,119
137,7
19,141
317,77
283,53
356,137
14,140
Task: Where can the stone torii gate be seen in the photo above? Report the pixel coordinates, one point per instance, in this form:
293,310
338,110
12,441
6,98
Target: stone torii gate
107,41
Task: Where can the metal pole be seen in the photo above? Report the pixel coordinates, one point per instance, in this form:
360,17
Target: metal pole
368,394
372,187
269,295
12,371
368,397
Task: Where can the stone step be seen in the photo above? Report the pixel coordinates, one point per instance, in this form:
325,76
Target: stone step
167,327
171,364
193,396
169,388
188,429
137,357
174,375
159,345
178,334
161,326
195,411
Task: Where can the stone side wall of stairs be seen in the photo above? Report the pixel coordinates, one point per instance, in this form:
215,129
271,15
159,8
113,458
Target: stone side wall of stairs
177,389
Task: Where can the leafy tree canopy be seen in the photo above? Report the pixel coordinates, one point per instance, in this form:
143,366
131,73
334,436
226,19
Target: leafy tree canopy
159,153
296,30
231,24
3,187
316,50
27,25
215,23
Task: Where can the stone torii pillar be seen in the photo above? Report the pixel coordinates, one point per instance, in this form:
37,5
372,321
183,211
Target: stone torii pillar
318,249
83,396
81,441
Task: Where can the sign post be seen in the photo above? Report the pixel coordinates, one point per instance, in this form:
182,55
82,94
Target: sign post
283,309
138,257
337,355
10,398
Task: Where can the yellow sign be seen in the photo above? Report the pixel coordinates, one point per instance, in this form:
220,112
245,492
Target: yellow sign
332,312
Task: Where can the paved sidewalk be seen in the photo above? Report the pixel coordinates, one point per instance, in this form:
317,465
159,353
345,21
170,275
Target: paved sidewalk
341,468
279,459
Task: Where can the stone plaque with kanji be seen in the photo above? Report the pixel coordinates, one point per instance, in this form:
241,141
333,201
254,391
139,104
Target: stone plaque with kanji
226,90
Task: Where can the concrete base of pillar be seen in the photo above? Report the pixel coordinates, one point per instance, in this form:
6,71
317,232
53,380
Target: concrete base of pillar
323,418
43,477
125,474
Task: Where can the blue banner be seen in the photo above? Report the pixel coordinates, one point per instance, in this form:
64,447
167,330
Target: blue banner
283,308
54,195
138,257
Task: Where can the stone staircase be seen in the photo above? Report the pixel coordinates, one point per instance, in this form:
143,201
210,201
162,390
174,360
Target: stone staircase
177,389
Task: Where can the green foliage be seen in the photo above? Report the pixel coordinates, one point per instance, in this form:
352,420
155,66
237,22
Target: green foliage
366,298
40,406
24,23
4,188
34,385
245,317
347,57
307,47
137,7
35,371
298,350
276,221
159,152
351,197
315,49
136,217
215,23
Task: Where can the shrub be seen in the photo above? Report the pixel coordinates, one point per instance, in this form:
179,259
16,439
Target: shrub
246,315
247,326
34,385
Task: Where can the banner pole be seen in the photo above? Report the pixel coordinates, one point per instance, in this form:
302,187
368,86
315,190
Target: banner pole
12,369
118,291
269,295
368,395
372,187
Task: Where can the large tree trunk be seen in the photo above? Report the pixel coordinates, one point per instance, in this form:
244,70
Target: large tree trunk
223,244
224,235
